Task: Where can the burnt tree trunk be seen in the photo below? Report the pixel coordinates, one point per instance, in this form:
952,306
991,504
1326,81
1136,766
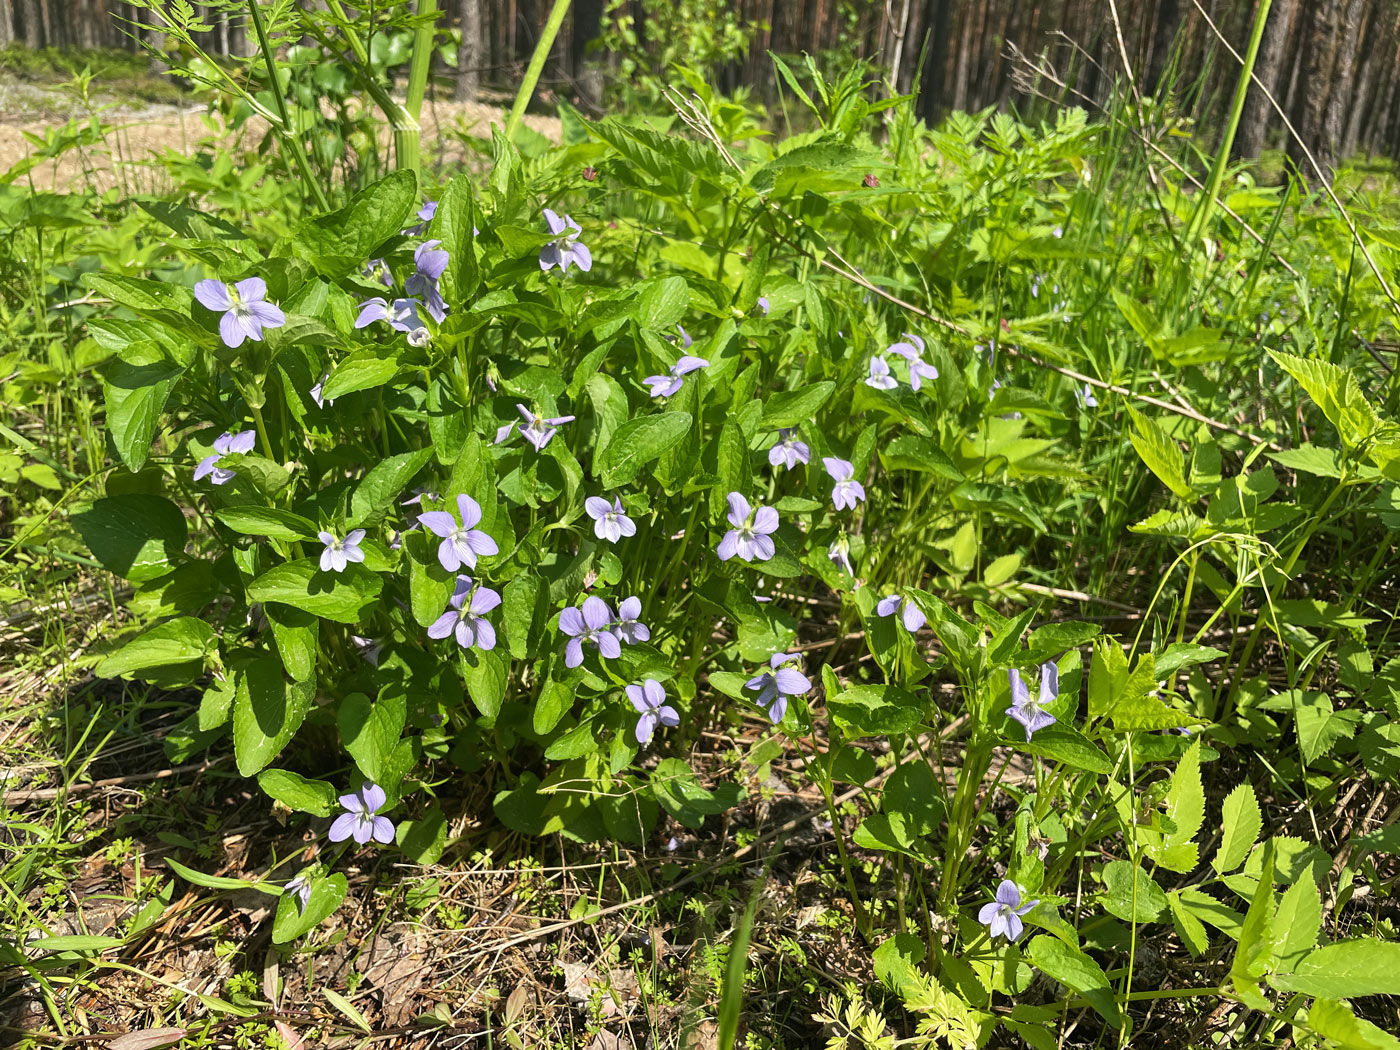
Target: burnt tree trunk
469,53
1342,82
1258,113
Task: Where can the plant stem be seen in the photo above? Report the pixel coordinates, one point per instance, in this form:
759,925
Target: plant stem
536,67
408,139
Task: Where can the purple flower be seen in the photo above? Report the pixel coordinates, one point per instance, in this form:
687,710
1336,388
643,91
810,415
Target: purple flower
665,386
1031,713
751,538
840,554
610,521
919,369
564,249
419,337
1086,396
591,625
429,262
225,444
460,543
847,492
300,888
402,315
378,270
358,821
368,648
246,313
880,377
788,450
762,306
537,429
321,402
685,338
426,214
339,553
775,685
650,701
1002,915
913,618
468,618
627,627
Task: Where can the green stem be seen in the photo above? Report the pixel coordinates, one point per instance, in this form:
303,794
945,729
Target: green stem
408,139
536,67
1201,219
403,123
285,131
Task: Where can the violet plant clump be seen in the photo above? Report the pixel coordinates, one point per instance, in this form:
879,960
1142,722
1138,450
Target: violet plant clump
360,820
462,542
776,686
649,699
751,538
246,312
590,624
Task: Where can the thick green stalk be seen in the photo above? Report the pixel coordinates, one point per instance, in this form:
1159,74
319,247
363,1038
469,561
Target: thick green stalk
286,132
400,119
536,67
408,139
1201,219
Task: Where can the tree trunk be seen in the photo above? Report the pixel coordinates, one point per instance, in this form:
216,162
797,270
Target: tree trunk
1342,82
1258,113
469,53
588,77
7,23
1320,52
1168,21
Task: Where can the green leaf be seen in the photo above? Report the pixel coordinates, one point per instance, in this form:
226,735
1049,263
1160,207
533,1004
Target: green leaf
1256,946
174,651
1336,1022
377,493
897,959
912,452
486,682
271,522
518,606
361,370
294,791
790,408
1183,654
1131,894
210,882
1297,922
1240,822
339,243
424,839
291,922
1334,390
1078,972
135,396
1345,970
1319,726
1186,811
875,710
267,711
296,634
74,942
370,730
453,223
1311,459
135,535
683,796
339,596
637,442
1189,928
1062,743
555,700
1160,453
662,303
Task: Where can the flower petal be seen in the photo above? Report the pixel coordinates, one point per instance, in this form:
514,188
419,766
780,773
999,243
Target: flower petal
765,521
573,653
383,830
443,625
252,289
596,507
596,613
646,726
739,509
213,295
438,522
470,510
342,827
636,694
571,621
609,646
1049,681
654,693
373,795
728,545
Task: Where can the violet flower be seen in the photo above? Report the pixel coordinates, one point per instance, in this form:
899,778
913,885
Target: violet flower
762,306
880,377
777,684
425,214
460,543
402,315
565,248
627,627
378,270
1031,713
847,492
340,553
789,450
321,402
671,382
1086,396
246,312
1002,915
686,341
919,369
300,888
358,821
752,536
429,262
537,429
649,699
912,615
590,624
468,617
225,444
610,520
367,648
840,554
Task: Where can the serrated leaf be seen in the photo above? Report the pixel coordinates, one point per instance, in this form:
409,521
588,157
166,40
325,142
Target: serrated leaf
1345,970
1160,453
1186,810
1240,822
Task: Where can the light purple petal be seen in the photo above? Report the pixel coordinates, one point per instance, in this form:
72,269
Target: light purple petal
481,544
668,715
914,618
449,557
654,693
988,912
1020,695
1049,681
342,827
353,537
630,608
739,509
792,681
596,507
443,625
728,545
609,646
778,710
839,469
1014,927
206,466
646,726
213,295
689,364
761,549
242,442
352,802
888,606
582,256
268,315
573,653
571,621
383,830
484,600
765,521
252,289
373,796
372,310
231,330
662,386
998,926
637,695
596,613
470,511
552,220
438,522
1008,893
